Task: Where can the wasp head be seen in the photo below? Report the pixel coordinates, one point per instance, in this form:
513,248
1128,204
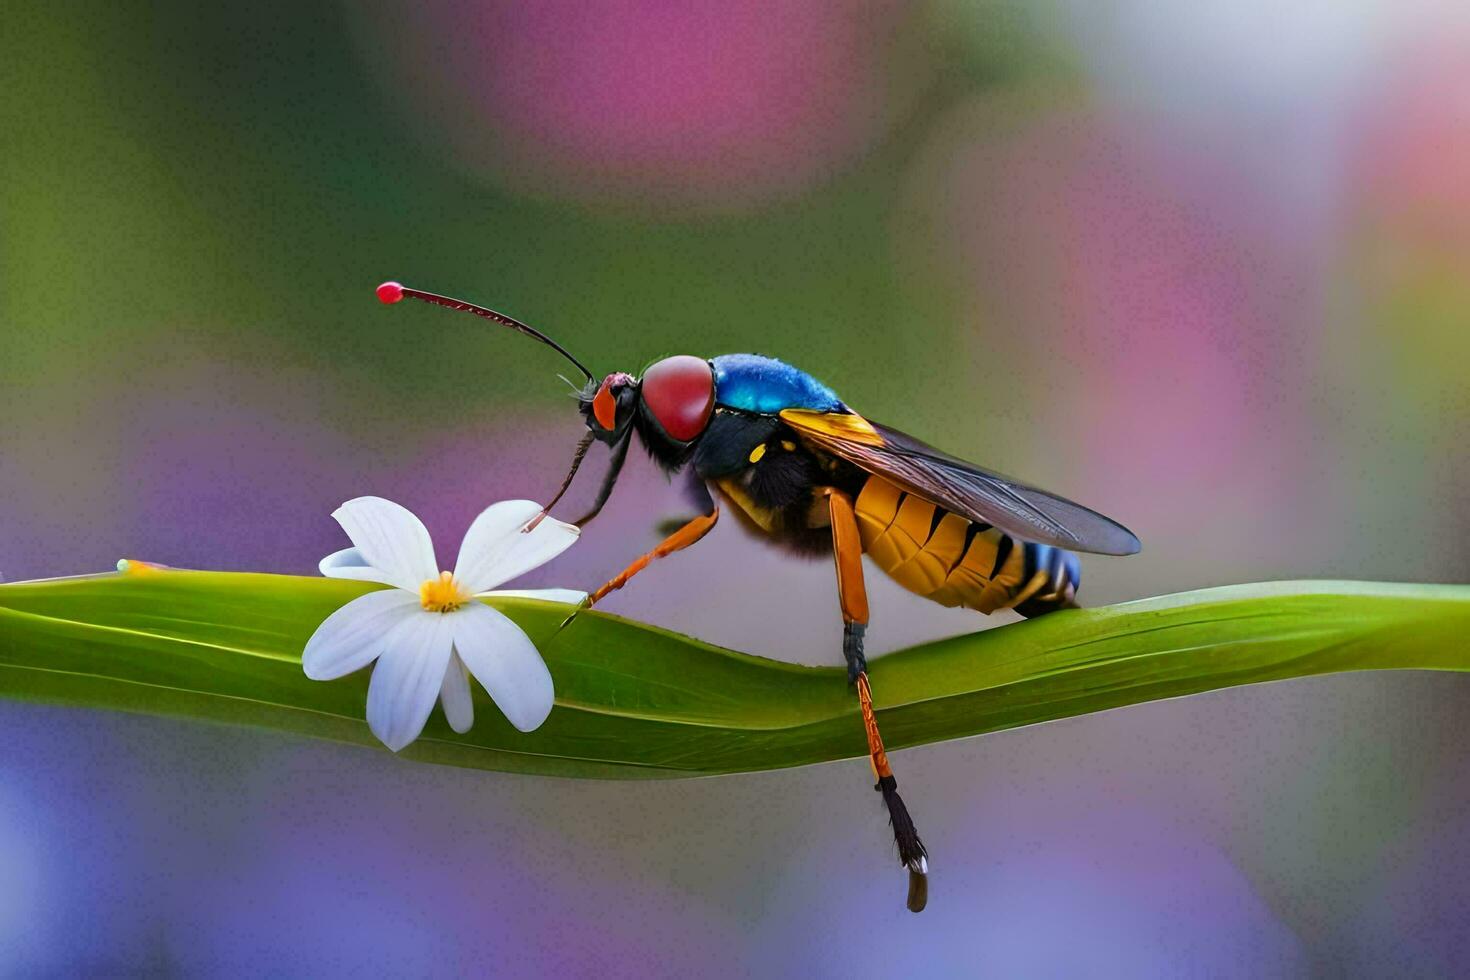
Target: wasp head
608,407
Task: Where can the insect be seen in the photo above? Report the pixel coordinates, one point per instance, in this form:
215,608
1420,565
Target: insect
795,464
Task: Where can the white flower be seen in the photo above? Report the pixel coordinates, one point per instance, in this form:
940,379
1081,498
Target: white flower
428,633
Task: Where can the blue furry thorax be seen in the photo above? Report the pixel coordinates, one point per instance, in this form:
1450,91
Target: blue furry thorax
755,383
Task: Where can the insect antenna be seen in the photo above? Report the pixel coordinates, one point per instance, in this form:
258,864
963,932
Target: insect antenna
392,292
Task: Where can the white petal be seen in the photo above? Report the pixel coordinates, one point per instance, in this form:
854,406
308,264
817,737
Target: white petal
408,677
504,660
349,563
390,539
454,694
352,636
496,549
571,597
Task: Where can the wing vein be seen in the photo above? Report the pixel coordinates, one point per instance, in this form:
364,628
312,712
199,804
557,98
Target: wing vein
1016,508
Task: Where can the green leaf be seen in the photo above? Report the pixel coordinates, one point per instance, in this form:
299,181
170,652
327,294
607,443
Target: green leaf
634,701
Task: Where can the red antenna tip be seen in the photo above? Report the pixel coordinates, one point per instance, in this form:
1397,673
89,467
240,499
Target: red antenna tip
390,292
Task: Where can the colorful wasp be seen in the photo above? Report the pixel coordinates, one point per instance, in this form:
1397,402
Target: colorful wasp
799,466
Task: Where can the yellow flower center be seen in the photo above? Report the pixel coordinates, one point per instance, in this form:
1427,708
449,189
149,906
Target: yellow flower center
442,594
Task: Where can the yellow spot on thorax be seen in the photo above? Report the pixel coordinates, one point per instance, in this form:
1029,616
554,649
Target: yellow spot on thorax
757,453
442,594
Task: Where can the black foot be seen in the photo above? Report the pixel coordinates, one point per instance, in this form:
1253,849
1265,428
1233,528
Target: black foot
852,649
911,851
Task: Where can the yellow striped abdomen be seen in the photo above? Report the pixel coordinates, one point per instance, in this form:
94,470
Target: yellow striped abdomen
955,562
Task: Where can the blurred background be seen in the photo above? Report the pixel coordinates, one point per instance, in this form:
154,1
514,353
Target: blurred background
1201,266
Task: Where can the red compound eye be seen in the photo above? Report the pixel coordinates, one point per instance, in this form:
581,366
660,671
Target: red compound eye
680,393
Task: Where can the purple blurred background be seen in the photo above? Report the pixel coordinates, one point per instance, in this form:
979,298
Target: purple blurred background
1202,267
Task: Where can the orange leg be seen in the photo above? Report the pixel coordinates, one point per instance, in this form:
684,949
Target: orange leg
691,532
877,758
852,594
847,551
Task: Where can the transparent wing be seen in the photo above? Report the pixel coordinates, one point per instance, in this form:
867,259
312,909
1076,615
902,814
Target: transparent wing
1022,511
